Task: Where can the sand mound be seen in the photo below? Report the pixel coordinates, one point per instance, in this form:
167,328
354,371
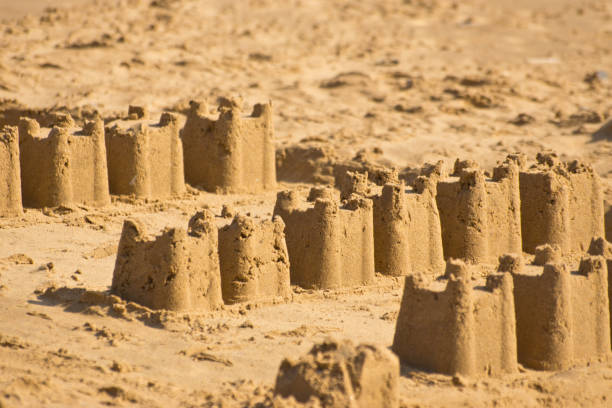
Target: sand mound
341,375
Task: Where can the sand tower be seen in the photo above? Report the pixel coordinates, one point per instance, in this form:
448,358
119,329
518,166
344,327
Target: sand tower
458,326
480,217
10,179
145,158
233,153
562,316
407,234
254,260
561,204
64,165
330,245
176,270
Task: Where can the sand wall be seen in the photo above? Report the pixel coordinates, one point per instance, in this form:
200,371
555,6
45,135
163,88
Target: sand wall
480,217
64,165
10,173
407,232
231,154
145,158
254,260
457,326
562,317
329,245
176,270
561,204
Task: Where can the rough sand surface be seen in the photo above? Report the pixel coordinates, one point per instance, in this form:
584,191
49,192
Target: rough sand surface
419,80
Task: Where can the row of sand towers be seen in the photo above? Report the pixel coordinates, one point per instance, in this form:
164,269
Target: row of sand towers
68,165
453,318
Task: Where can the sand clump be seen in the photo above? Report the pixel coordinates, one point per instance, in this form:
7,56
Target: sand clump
63,166
177,270
341,375
306,163
456,326
145,158
254,260
10,185
330,245
233,153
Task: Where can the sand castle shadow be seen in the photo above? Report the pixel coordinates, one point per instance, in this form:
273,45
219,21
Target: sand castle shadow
99,303
603,133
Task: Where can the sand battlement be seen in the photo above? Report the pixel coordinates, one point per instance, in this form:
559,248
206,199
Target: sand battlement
458,326
480,216
175,270
64,165
254,260
233,153
329,244
10,171
145,157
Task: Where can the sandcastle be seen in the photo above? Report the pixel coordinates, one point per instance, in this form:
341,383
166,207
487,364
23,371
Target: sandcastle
231,154
10,184
177,270
145,159
254,260
341,375
329,245
561,204
458,326
562,317
480,217
66,167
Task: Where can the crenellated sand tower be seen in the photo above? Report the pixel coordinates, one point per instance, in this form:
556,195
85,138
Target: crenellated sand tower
10,171
145,158
232,154
64,165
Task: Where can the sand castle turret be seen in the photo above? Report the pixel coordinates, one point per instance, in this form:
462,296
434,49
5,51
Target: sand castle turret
329,245
145,158
10,171
64,165
457,326
480,217
407,232
254,260
177,270
562,317
233,153
561,204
